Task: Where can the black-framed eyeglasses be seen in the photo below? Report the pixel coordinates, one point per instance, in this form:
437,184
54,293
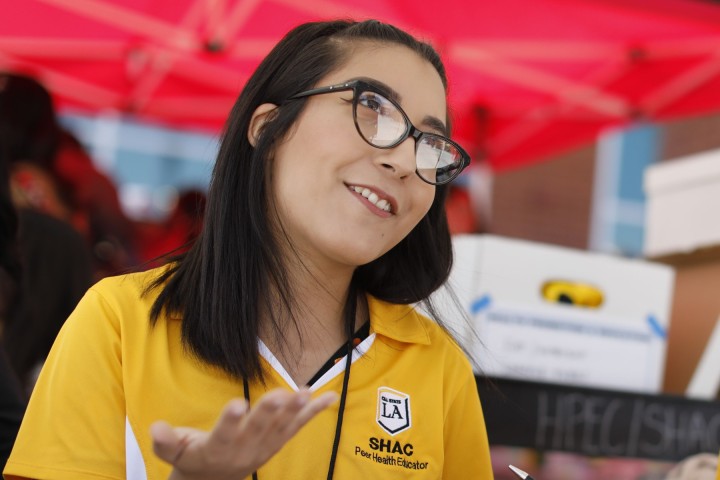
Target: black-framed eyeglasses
383,124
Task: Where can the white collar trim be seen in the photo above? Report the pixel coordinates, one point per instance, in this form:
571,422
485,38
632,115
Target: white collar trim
334,371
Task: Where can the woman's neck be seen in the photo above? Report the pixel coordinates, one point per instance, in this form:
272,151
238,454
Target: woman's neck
316,327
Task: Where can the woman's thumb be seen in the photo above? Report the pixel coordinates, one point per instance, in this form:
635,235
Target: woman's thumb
166,442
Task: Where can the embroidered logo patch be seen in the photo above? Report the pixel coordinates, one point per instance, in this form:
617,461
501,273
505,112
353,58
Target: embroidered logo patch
393,410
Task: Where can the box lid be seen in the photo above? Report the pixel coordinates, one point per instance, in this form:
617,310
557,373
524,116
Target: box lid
683,172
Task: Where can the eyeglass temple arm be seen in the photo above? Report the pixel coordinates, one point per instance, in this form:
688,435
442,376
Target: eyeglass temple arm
321,90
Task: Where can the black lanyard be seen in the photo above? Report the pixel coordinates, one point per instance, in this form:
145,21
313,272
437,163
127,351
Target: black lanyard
341,410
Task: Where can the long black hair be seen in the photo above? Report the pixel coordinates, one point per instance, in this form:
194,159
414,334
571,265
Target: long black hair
235,271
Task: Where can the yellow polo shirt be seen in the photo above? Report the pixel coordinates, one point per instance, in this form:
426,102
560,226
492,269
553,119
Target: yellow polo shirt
412,406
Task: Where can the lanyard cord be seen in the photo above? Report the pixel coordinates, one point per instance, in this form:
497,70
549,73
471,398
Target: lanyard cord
341,410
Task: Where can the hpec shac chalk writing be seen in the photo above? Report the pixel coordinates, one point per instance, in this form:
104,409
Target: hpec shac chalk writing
599,422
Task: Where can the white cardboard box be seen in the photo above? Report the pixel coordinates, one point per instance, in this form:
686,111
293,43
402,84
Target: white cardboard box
682,199
520,334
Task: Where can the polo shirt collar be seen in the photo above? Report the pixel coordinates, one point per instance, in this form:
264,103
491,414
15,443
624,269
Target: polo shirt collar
398,322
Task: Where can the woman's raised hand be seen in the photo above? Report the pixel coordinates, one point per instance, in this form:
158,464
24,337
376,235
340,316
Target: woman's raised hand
242,440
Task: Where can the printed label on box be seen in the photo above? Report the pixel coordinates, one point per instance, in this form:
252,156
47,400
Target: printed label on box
566,344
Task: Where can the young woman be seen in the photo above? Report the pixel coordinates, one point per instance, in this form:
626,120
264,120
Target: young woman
324,221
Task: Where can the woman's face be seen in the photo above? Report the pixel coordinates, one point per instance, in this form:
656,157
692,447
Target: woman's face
322,168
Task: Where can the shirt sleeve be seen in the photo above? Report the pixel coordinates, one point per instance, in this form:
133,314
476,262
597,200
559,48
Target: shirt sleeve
74,427
467,451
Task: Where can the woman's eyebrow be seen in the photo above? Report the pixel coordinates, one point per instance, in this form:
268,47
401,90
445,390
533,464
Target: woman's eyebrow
384,88
435,124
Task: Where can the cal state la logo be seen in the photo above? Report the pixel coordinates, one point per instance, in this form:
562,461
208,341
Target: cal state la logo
393,410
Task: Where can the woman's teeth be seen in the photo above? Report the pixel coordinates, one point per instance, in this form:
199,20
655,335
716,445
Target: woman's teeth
372,197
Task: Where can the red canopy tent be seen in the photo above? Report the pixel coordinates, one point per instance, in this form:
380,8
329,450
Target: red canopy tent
529,78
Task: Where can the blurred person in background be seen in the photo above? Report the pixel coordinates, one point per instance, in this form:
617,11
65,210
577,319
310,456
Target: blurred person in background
12,394
96,211
50,172
29,138
46,259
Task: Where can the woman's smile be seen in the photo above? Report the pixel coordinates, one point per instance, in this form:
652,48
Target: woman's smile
375,200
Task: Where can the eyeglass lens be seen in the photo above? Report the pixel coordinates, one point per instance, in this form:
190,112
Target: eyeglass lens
382,124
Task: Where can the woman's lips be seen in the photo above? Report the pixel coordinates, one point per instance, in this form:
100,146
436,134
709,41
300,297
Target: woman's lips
376,198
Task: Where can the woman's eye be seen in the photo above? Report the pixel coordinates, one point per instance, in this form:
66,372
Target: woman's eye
373,102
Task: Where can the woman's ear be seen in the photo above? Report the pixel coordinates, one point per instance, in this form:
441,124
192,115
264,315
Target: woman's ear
262,114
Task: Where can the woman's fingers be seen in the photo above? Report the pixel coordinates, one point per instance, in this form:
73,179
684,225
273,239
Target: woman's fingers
313,407
226,427
242,439
271,425
274,412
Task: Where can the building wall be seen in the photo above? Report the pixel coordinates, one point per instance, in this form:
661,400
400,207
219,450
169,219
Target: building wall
548,202
551,201
689,136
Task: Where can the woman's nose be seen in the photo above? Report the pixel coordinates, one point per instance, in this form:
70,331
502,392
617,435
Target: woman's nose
399,160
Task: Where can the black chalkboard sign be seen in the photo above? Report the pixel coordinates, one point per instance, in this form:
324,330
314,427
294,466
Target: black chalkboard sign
598,423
